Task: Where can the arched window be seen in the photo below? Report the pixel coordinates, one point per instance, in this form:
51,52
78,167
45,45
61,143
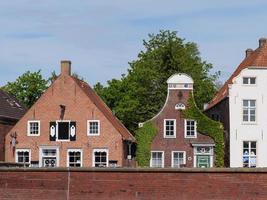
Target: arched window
179,106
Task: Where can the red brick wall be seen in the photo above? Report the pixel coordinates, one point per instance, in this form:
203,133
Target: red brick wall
4,128
137,184
180,143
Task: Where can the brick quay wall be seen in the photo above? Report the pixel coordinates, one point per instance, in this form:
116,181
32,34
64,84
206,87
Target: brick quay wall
143,184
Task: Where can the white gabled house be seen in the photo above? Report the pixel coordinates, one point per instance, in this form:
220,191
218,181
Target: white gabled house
241,105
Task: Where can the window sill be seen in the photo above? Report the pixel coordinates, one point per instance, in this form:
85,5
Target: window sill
90,135
249,123
191,137
33,135
173,137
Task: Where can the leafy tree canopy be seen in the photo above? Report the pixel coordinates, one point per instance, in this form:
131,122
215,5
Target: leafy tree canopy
27,88
140,94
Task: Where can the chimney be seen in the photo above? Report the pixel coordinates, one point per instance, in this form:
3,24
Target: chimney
66,67
248,52
262,41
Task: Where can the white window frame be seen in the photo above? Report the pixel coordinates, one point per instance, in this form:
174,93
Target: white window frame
184,157
48,147
29,128
102,150
174,129
88,127
249,108
163,160
76,150
26,150
249,80
249,156
185,128
57,121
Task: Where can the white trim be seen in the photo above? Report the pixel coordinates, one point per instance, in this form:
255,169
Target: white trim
101,150
57,121
75,150
163,160
185,128
28,127
174,129
23,149
88,128
184,157
48,147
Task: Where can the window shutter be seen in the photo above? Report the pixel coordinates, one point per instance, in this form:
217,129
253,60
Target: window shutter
52,135
72,131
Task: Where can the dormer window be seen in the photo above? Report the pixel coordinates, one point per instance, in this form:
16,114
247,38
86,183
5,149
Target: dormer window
249,80
179,106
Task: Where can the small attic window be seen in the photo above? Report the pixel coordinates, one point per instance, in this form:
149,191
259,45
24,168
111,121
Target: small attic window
186,85
179,106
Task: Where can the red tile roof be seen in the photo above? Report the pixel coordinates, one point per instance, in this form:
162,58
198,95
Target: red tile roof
104,109
257,58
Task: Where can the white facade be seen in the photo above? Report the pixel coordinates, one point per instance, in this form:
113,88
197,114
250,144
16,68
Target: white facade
243,130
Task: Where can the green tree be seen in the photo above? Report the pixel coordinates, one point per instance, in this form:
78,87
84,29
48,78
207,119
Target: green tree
27,88
140,94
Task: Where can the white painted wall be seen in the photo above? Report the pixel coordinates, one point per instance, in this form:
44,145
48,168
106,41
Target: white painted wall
241,131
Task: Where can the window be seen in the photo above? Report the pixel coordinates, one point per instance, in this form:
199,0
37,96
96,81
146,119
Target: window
74,158
249,80
169,128
62,130
157,159
100,158
249,110
249,154
93,127
49,157
178,158
190,129
23,156
33,128
179,106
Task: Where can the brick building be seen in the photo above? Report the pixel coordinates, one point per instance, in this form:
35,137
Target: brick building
177,142
69,126
11,110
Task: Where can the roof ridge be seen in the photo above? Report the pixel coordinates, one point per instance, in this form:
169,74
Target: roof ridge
107,112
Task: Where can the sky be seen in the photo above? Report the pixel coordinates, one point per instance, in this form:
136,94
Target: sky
100,37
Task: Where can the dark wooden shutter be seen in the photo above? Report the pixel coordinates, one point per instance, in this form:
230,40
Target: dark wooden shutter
72,131
52,131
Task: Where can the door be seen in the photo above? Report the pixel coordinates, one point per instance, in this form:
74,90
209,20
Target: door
63,130
203,161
